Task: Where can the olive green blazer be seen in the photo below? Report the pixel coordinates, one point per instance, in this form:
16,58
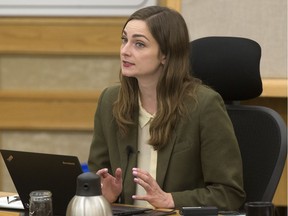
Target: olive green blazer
201,165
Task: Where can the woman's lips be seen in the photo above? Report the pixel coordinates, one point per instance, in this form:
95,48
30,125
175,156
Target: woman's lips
127,64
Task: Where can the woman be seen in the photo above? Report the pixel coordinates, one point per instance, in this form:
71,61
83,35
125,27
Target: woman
161,136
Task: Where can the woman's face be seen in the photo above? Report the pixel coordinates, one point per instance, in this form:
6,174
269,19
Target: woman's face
140,53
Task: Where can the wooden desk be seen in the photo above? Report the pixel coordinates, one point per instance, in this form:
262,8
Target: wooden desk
7,212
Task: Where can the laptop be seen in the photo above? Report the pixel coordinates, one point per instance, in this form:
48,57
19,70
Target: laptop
57,173
123,210
39,171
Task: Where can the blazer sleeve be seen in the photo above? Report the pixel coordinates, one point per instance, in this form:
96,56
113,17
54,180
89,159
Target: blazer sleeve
100,154
220,158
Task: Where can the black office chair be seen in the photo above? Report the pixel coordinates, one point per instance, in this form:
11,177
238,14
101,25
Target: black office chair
230,65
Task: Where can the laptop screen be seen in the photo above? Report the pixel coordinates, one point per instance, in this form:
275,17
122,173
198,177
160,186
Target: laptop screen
39,171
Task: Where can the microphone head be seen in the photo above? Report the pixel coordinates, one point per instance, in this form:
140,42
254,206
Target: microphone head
129,149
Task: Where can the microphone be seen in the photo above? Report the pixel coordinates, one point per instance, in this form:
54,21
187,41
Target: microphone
129,151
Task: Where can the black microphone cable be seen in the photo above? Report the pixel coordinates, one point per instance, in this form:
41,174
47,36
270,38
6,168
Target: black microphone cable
129,152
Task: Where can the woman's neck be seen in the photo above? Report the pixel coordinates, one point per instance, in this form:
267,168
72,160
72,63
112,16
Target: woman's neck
148,98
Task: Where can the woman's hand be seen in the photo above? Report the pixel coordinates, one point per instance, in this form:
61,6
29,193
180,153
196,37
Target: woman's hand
154,194
111,186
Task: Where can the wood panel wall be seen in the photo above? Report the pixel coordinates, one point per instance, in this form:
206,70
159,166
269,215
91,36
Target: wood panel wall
47,110
31,110
64,35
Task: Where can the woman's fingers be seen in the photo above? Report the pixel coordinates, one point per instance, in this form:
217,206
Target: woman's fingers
144,179
102,172
118,174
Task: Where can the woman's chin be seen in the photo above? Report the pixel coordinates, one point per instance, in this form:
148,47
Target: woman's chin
127,74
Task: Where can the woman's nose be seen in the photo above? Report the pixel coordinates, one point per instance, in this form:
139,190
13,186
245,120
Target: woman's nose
125,50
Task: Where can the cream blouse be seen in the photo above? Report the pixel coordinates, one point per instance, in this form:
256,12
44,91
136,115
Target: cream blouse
147,156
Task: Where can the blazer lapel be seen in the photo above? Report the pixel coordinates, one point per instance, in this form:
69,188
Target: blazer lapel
163,160
128,149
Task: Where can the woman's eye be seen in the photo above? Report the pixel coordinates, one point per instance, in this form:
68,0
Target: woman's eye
140,44
123,39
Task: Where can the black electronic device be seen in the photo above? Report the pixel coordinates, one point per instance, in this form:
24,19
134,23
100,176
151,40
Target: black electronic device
199,211
38,171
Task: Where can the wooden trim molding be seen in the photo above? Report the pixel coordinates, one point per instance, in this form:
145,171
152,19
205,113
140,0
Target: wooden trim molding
87,36
274,88
65,35
29,110
174,4
49,110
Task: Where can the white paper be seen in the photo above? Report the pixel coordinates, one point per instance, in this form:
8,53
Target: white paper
12,205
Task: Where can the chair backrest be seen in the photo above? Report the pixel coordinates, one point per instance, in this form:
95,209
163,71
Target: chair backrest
261,134
230,65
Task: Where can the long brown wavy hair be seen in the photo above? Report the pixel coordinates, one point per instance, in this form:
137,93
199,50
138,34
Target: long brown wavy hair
175,83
